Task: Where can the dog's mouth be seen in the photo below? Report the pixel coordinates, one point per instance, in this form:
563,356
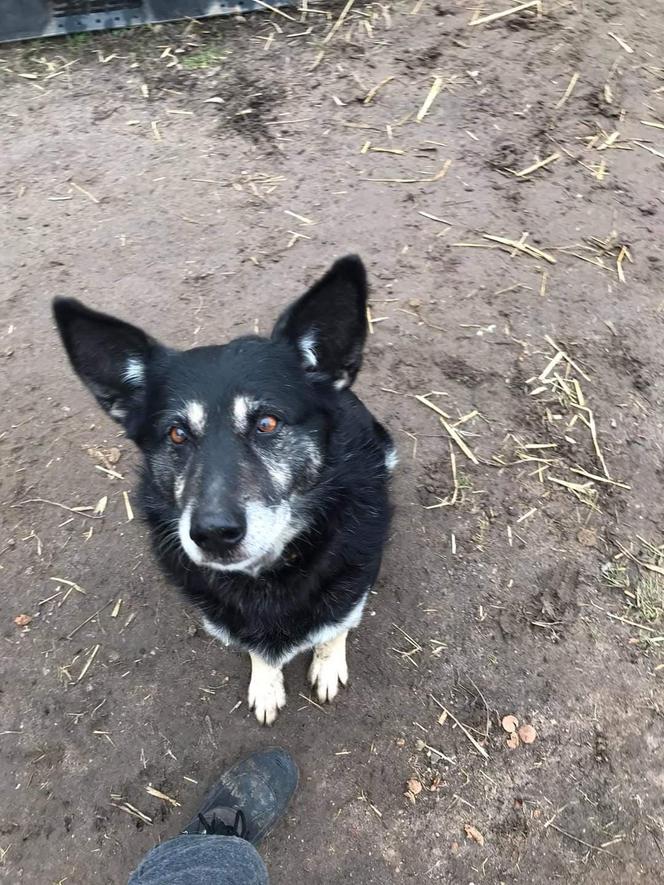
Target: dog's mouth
270,528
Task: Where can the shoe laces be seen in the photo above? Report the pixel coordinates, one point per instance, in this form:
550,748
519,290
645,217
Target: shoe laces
216,827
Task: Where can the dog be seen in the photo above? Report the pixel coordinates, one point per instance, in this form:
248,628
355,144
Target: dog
264,478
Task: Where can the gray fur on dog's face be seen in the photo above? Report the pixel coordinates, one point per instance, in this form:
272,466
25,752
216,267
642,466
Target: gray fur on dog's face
234,436
252,445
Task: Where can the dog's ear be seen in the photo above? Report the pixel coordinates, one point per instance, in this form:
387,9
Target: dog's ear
328,324
110,356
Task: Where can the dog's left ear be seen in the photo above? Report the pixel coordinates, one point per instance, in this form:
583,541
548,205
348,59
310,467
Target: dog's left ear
328,324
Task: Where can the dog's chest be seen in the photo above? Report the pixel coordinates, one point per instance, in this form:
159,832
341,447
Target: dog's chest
273,640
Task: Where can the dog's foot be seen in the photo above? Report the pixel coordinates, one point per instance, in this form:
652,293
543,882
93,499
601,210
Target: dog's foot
267,694
329,668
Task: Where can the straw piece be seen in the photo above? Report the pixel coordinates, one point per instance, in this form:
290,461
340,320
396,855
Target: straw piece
574,79
159,795
371,94
485,19
621,43
436,86
448,427
278,11
539,165
89,661
338,23
521,247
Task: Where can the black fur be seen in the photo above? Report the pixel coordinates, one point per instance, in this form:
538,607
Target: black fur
340,494
324,572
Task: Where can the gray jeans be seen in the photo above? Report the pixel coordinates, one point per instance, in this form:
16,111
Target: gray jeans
201,860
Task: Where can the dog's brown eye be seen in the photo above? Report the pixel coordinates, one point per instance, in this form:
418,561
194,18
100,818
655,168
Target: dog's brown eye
267,424
177,435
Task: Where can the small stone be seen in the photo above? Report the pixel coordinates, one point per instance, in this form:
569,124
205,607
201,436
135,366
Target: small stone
510,723
474,834
414,786
527,734
587,537
113,454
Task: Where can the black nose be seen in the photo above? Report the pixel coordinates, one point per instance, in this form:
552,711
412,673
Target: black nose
216,531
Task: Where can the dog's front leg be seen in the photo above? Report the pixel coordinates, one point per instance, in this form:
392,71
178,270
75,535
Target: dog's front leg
329,668
267,694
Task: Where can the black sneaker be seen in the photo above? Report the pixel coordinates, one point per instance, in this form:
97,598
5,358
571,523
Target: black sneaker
249,798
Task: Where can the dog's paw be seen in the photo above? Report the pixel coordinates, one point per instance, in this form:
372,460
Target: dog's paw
267,695
328,670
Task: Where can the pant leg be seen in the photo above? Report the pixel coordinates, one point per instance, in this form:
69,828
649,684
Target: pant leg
194,860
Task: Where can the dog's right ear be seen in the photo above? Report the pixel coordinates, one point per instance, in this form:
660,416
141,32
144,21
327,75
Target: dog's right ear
328,324
110,356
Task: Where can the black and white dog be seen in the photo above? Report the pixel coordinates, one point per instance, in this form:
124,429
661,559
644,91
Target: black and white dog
265,478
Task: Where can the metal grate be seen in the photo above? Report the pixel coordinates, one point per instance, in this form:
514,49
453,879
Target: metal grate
23,19
92,7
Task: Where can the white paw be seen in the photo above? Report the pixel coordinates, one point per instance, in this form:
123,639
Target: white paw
327,672
267,694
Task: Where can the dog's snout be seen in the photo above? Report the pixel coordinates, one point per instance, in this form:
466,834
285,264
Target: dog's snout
217,531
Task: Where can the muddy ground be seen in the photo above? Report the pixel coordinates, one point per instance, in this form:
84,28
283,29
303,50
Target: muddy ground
193,178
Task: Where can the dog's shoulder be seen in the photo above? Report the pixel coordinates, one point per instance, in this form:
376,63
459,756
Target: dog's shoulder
361,429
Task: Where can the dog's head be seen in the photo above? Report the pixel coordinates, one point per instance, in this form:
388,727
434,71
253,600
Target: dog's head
234,436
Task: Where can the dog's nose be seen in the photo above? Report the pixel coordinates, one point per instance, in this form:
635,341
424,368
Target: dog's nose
216,531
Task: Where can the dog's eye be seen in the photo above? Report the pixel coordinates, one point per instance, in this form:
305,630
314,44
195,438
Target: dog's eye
177,435
267,424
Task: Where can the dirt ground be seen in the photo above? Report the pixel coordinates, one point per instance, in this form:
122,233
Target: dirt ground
192,178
